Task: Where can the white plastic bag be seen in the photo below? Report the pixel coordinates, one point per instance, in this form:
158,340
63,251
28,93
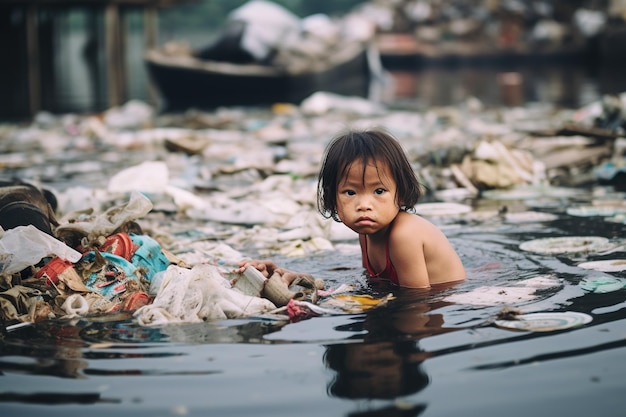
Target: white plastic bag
24,246
196,295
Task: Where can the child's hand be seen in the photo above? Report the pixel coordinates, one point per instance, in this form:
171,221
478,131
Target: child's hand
266,267
269,268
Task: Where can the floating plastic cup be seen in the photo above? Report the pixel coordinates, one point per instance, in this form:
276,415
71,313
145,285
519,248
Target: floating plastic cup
55,268
119,244
148,256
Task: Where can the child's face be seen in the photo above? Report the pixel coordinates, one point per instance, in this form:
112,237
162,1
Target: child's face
367,204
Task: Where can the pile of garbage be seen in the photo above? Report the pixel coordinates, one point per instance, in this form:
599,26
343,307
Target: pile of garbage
94,264
480,25
133,211
265,33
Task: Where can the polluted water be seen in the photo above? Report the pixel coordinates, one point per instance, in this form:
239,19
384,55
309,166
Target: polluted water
123,232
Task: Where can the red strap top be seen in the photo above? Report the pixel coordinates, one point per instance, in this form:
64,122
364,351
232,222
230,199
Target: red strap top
388,273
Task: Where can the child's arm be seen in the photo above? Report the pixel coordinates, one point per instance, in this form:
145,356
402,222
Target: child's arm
406,250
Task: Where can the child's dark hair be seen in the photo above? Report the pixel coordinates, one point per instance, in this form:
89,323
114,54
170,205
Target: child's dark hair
366,146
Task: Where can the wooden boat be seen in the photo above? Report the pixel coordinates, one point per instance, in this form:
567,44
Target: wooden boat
184,81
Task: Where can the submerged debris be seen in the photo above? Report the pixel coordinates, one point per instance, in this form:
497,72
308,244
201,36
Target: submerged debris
507,313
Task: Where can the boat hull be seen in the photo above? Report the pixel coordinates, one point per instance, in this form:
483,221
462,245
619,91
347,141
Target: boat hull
202,84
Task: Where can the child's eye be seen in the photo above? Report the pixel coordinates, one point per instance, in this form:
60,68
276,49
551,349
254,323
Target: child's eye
349,192
380,191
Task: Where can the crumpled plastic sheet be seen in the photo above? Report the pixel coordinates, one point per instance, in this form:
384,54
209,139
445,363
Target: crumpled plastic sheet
106,223
198,294
24,246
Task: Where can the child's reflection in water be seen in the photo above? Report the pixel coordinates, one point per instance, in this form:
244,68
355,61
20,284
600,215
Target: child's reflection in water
378,370
387,363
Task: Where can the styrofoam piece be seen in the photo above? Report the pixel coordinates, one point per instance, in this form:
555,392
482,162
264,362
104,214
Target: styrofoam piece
490,296
607,265
251,282
545,322
566,244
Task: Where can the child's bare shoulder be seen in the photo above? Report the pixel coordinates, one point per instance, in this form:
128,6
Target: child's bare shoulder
412,226
406,219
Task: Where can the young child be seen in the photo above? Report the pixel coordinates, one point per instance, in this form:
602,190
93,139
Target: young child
367,183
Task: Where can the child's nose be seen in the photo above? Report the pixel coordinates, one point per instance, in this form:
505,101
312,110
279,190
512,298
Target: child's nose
364,203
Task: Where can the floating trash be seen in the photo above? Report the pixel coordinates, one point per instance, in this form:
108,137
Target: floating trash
609,172
542,282
482,216
238,214
57,267
619,218
524,291
567,244
512,194
453,194
590,211
524,193
442,209
545,203
529,217
545,322
108,274
490,296
119,244
148,256
607,265
602,285
355,303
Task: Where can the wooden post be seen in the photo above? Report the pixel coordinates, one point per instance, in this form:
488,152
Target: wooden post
150,26
150,19
114,61
33,67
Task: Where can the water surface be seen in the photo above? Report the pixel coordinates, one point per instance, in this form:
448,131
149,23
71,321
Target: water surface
419,355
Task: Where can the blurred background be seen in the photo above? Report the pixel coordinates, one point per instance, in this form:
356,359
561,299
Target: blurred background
438,52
